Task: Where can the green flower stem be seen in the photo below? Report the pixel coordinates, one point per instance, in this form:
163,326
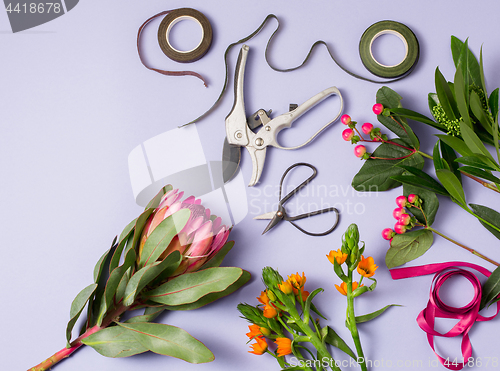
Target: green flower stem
351,321
77,343
491,186
323,353
472,251
424,154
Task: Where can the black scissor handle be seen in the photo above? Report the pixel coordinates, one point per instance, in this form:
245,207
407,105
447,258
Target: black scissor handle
291,219
302,185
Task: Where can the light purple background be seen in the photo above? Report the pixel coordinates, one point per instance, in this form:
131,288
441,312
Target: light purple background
75,100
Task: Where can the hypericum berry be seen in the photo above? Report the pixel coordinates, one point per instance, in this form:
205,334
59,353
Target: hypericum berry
387,234
412,198
378,108
404,219
399,228
347,134
345,119
359,151
401,201
367,127
398,212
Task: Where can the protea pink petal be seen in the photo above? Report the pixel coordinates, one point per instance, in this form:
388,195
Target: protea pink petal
172,209
189,200
155,219
202,241
193,225
164,199
219,240
196,265
197,202
216,225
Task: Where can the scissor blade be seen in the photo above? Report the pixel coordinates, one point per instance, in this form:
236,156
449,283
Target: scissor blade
275,220
266,216
231,157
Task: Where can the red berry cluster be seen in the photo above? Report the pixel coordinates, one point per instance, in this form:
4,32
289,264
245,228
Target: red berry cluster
351,134
404,220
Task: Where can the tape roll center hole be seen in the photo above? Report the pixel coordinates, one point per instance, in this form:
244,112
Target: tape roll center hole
184,34
456,291
389,48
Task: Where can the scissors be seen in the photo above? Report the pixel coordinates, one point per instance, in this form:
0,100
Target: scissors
239,129
280,214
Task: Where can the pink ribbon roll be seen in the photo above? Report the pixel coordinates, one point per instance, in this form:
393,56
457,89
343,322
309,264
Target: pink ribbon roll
467,315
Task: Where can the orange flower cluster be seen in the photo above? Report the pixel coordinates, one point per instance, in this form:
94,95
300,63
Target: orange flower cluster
270,311
295,283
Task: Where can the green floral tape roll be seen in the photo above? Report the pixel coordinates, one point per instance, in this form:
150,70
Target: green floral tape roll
393,28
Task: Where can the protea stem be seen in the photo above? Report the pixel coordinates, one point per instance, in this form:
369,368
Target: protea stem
77,343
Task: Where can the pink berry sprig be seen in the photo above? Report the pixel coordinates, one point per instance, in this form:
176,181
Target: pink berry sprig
351,134
379,109
404,222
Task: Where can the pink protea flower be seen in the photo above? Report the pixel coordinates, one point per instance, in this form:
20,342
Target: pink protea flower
367,127
398,212
200,239
359,151
347,134
345,119
401,201
387,234
378,108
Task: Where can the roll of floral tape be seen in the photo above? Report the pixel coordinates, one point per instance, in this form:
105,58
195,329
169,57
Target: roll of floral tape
168,23
392,28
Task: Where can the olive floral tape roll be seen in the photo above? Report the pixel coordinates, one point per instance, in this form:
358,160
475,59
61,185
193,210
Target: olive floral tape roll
170,20
393,28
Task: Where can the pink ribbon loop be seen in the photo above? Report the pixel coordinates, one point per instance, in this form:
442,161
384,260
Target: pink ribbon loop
436,308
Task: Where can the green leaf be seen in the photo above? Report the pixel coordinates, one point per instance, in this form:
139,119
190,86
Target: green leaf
190,287
162,235
491,288
425,180
217,259
370,316
490,215
145,275
390,99
436,157
115,342
456,143
407,247
449,156
113,282
207,299
463,67
430,203
477,109
473,142
360,290
445,96
479,161
170,341
150,314
457,48
493,103
415,116
77,307
102,262
452,185
127,230
307,304
333,339
462,95
375,174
